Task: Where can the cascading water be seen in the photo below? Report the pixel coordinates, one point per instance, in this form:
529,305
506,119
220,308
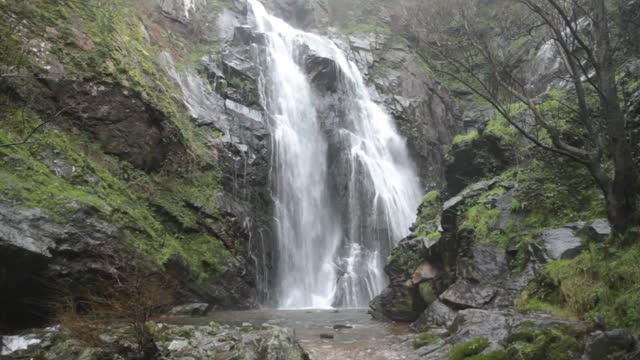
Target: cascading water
332,234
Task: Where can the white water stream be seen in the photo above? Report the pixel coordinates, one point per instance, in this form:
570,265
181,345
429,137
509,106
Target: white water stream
333,236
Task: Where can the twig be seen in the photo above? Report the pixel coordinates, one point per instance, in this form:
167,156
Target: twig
32,132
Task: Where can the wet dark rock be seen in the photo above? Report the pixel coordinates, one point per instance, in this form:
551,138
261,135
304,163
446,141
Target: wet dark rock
604,345
38,253
342,327
435,314
123,122
424,110
485,263
240,68
243,155
397,303
465,294
244,35
327,336
481,157
562,243
471,191
322,69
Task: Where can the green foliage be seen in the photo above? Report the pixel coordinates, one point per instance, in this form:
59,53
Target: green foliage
601,281
113,51
482,216
498,126
429,215
554,342
468,349
531,304
554,191
494,355
466,137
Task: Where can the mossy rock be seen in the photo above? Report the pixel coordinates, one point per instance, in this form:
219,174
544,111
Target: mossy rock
424,339
548,343
494,355
468,349
427,293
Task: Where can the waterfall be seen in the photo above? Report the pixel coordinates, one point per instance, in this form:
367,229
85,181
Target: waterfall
333,232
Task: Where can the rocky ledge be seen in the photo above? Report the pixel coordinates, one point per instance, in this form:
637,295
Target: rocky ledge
174,342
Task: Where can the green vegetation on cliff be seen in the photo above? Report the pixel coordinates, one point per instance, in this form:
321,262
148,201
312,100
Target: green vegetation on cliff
600,284
166,212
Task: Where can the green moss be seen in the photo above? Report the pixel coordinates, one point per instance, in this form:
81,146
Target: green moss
494,355
424,339
553,342
482,217
426,292
466,137
598,282
401,258
162,214
429,215
498,126
468,349
27,181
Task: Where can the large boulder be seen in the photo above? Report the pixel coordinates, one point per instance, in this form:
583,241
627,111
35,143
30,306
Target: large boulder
437,314
599,231
562,243
397,303
606,345
506,332
39,254
465,294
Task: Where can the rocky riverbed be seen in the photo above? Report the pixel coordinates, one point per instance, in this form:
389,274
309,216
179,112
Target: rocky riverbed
326,334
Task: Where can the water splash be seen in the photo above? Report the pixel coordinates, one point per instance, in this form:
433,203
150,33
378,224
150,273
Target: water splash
332,240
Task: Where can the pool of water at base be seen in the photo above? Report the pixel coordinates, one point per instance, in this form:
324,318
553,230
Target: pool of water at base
356,336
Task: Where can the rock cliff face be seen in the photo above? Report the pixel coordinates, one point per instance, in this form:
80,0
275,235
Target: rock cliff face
426,113
170,154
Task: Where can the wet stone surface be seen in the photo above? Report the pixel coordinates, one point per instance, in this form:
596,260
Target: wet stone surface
365,339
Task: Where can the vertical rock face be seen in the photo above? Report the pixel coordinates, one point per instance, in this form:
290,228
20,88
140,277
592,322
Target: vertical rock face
302,14
425,112
178,10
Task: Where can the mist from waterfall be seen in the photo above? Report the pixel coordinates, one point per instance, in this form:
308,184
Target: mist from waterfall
332,238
